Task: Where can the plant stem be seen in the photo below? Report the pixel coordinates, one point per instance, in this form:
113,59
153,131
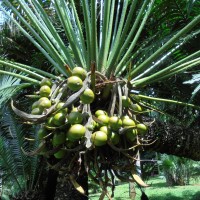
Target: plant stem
20,77
39,71
167,101
93,76
165,47
35,75
166,73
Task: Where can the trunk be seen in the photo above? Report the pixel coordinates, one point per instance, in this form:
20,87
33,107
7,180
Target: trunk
132,192
169,178
176,140
50,189
83,181
65,189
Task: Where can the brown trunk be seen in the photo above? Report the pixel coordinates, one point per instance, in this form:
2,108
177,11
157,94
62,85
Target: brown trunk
50,189
65,189
132,192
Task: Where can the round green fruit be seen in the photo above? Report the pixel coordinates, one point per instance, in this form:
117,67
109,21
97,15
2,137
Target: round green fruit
58,139
104,119
50,121
35,104
59,119
128,122
136,107
126,101
136,97
115,123
60,154
76,132
114,138
87,97
63,90
75,118
45,91
99,138
60,105
106,130
74,83
43,99
92,125
80,72
131,134
37,111
44,103
46,81
76,109
125,117
100,112
42,132
141,128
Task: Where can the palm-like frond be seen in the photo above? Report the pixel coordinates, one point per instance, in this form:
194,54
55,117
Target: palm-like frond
7,162
14,161
15,135
9,86
7,166
109,37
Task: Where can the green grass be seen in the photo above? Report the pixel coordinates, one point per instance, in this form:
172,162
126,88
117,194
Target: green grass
158,190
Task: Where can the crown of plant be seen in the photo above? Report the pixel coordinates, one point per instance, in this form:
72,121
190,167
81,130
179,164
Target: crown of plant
91,107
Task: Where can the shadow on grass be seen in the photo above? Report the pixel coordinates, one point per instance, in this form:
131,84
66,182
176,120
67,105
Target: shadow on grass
186,195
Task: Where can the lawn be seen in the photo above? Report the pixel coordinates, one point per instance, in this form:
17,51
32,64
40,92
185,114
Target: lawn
157,191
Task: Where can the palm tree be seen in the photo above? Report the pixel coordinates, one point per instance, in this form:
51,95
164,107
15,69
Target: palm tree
121,58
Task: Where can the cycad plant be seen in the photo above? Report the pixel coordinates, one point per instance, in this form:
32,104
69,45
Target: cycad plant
90,110
20,173
178,170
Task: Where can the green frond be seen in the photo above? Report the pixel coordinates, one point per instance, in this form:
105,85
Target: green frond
12,134
144,97
36,73
105,33
7,161
10,86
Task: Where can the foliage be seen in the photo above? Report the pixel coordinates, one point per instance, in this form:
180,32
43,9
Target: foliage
177,170
9,86
98,49
103,39
20,172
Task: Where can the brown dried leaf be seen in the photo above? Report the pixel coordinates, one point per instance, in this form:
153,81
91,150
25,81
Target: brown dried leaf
139,180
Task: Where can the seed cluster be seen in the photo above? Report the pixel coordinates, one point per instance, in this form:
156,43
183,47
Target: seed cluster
75,121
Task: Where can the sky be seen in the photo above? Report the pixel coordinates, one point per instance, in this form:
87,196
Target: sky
1,16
